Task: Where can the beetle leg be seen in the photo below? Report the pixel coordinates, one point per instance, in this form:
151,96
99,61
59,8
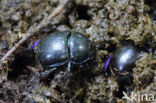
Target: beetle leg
46,73
68,67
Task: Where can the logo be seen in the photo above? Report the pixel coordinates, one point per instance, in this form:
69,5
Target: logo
139,97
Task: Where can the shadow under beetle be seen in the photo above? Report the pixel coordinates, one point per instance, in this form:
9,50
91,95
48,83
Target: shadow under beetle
64,47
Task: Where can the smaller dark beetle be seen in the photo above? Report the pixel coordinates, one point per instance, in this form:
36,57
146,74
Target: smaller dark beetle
64,47
121,62
123,58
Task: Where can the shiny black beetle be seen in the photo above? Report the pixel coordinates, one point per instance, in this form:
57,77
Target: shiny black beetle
123,58
64,47
121,62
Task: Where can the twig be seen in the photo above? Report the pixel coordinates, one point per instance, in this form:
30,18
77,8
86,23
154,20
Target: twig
32,30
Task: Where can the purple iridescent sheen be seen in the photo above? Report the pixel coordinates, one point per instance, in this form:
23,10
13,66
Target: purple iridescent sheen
35,44
107,62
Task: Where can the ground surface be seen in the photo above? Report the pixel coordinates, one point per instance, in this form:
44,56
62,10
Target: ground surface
105,22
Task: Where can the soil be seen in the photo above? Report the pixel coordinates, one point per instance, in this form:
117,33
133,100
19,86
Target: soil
107,23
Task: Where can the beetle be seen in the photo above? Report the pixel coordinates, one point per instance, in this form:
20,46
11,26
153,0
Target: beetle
123,58
63,47
121,62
